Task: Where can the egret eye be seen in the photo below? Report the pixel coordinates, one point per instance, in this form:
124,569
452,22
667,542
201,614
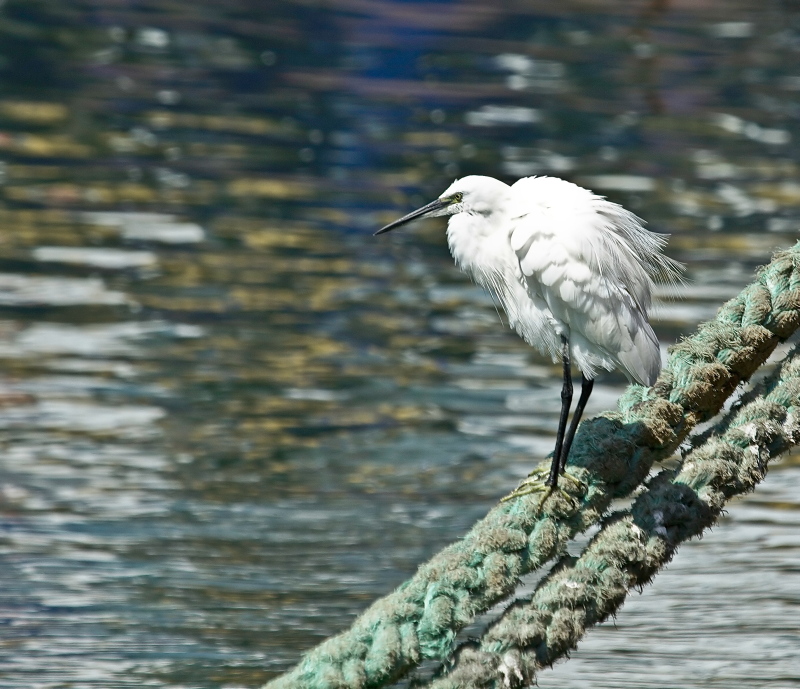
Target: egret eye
457,197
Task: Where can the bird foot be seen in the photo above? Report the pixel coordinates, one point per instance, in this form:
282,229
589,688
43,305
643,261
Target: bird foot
536,482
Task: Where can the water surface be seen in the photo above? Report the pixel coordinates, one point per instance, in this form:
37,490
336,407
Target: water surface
231,418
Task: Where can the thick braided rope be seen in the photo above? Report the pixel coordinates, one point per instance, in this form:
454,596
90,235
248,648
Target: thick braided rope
612,454
633,545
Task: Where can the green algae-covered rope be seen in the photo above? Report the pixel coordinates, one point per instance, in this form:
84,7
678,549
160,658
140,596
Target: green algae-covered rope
612,454
634,544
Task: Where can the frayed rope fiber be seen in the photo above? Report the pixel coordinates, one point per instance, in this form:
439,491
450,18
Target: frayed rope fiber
612,455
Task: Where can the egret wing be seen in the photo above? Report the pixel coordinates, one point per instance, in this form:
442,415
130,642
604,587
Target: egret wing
588,273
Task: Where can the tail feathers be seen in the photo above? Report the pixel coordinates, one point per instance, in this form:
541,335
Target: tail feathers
642,362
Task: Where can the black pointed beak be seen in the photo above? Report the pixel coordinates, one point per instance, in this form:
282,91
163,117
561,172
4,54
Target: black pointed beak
433,206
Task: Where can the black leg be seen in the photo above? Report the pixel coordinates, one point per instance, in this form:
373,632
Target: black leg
566,402
586,390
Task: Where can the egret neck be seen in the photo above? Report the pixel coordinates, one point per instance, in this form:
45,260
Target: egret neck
477,232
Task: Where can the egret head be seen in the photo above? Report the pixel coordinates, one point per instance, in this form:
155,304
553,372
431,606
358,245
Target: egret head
474,194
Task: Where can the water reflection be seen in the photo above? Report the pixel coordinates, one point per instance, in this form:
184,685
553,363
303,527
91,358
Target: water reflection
230,419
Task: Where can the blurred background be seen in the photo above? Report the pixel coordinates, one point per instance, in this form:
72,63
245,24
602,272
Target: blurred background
230,418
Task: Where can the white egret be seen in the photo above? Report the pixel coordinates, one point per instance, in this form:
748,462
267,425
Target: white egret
573,271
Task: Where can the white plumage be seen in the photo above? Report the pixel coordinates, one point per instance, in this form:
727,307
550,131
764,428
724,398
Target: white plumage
563,261
573,271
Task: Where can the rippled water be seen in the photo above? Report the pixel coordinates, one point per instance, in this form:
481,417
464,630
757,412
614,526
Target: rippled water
230,418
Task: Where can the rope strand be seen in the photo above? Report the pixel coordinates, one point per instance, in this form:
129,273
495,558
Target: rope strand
634,544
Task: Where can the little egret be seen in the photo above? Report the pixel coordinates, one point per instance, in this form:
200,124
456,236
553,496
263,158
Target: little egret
573,271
